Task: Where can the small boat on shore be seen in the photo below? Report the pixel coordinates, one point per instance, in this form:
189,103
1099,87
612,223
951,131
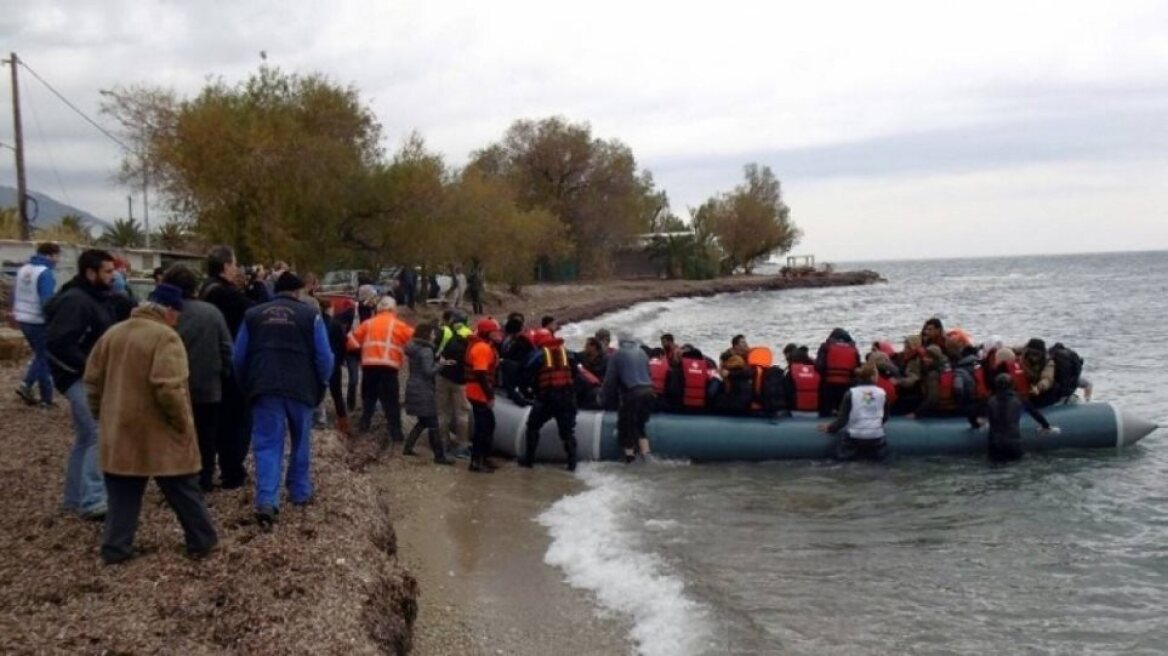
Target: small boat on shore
711,438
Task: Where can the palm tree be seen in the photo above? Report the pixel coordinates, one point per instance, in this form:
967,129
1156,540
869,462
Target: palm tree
171,237
124,233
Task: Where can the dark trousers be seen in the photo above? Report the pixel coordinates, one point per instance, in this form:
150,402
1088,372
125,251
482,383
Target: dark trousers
1005,451
353,367
830,397
207,428
336,392
476,301
484,431
560,406
633,415
850,448
234,441
381,384
125,505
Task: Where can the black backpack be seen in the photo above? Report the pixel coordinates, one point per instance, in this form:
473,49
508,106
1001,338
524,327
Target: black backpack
1068,367
773,395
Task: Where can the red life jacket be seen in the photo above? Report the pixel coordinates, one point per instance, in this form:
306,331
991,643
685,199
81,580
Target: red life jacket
588,377
979,381
1021,382
890,391
556,372
658,372
945,399
695,373
805,380
841,363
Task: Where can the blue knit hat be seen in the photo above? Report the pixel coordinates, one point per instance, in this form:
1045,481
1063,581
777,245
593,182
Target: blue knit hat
167,295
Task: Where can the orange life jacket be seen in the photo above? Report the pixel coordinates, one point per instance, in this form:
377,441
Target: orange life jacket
1021,382
556,372
841,363
759,359
805,380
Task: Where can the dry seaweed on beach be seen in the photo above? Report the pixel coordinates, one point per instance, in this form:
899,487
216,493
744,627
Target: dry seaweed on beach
321,582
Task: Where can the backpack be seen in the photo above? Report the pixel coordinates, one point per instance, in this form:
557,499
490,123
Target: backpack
773,392
1068,367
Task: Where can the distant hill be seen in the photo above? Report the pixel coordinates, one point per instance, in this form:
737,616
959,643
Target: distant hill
49,209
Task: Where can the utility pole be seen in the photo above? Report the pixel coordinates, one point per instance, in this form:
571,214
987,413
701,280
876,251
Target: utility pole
146,201
21,186
129,207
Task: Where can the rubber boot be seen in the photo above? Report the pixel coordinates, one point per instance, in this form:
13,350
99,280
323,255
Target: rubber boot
412,439
529,447
438,448
570,450
343,426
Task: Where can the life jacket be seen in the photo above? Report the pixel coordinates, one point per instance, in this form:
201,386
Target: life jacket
556,371
1021,382
981,388
695,373
805,382
474,391
759,359
587,376
946,398
658,372
842,359
890,392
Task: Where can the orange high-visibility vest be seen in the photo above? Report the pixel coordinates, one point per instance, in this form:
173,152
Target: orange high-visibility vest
381,339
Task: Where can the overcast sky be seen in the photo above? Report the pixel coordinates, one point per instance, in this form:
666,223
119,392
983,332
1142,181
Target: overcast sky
898,129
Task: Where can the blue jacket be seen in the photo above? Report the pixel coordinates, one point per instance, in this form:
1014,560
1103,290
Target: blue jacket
282,349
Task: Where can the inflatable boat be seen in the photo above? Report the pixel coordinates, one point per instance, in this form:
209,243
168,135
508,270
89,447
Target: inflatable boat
706,438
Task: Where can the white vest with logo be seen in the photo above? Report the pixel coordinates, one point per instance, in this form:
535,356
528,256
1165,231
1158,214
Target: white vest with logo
26,302
866,420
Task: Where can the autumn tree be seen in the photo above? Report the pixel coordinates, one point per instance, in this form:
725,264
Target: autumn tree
9,223
267,165
482,222
751,222
397,210
590,184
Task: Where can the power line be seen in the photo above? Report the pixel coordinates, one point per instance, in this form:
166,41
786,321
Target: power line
73,107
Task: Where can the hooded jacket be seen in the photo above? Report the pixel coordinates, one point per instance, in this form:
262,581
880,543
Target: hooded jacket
76,318
420,395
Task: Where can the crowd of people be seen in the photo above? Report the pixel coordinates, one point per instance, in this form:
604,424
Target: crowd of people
185,383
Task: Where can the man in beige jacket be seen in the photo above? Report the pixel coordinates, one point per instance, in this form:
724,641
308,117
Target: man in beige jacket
137,381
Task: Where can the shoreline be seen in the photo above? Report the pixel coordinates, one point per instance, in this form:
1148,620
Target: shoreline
394,556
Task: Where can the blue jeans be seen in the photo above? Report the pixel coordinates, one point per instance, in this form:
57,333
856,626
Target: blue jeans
38,370
271,415
84,487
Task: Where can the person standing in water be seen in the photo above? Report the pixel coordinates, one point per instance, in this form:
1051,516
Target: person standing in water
862,414
627,378
1005,410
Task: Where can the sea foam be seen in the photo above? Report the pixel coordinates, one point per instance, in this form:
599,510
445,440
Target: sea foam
601,553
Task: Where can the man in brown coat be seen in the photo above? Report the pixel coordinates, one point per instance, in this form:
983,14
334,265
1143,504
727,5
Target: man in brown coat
137,381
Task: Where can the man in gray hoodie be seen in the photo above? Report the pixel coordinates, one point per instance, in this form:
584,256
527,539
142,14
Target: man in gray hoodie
207,339
627,378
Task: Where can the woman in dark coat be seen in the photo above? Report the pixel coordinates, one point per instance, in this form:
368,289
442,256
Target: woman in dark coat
421,401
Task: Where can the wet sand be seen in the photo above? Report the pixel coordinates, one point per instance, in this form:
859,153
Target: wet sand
472,542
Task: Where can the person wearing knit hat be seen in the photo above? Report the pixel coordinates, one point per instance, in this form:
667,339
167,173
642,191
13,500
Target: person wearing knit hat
283,361
288,282
137,382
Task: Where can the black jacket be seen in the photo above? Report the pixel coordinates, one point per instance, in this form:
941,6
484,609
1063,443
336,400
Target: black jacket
232,302
76,318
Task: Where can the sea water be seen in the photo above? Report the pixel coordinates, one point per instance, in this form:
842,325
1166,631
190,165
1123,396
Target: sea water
1062,553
